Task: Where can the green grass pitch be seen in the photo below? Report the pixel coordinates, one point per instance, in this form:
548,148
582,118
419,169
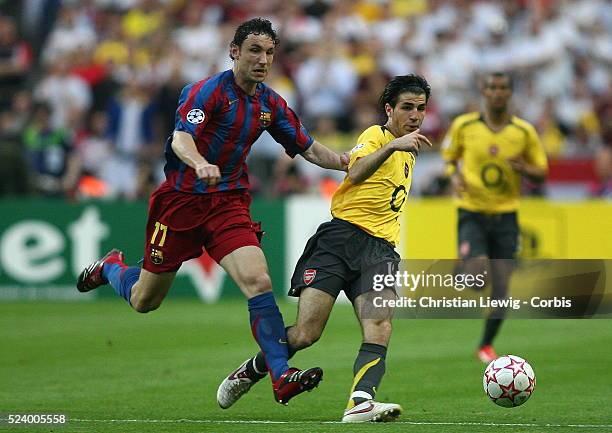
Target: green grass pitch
113,370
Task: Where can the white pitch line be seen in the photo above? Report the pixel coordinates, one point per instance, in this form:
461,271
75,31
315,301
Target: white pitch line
210,421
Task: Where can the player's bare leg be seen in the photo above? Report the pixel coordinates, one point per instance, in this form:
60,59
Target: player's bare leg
501,271
150,290
314,308
478,265
247,267
369,366
143,290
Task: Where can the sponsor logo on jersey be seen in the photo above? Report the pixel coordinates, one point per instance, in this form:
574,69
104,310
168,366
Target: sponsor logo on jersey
406,169
195,116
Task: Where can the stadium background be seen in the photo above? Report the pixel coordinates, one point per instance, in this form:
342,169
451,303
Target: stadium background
88,91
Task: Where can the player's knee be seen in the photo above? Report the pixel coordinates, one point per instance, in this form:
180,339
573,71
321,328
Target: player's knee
378,331
258,283
476,265
304,338
143,305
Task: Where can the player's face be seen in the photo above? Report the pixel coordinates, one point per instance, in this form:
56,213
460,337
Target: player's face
408,113
497,92
253,60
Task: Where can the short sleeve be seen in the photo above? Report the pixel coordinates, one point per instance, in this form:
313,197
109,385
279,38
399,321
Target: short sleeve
535,153
287,129
368,142
452,146
195,108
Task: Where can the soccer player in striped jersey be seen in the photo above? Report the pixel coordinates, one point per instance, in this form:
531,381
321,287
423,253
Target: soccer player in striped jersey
488,153
204,202
349,252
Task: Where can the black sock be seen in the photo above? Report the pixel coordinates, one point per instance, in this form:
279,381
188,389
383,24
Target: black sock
491,329
255,372
368,370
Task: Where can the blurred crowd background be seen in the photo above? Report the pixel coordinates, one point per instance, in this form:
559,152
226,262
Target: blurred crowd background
89,88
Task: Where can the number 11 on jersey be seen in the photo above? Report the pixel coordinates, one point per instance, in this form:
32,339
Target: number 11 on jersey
159,227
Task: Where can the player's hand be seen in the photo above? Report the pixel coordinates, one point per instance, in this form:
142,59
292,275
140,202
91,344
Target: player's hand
458,183
411,142
209,173
517,164
345,159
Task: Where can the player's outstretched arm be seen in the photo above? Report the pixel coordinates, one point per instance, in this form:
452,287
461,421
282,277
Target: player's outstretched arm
366,166
455,175
324,157
531,171
185,148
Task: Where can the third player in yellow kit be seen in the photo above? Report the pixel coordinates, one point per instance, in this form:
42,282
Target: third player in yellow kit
488,152
357,244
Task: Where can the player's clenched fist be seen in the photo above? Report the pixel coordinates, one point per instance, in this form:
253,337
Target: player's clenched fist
209,173
411,142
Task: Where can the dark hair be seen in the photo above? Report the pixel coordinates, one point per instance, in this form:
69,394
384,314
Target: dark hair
255,26
499,74
403,83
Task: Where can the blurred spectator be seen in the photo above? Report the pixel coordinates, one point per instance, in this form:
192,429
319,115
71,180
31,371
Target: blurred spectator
189,38
143,20
333,60
48,153
68,95
14,174
16,118
15,59
73,30
326,82
131,120
94,149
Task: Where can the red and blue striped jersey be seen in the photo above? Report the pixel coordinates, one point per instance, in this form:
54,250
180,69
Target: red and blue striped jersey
224,122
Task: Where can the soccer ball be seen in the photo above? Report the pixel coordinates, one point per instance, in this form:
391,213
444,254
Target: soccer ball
509,381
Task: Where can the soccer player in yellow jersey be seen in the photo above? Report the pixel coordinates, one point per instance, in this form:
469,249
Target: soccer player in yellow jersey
358,243
487,154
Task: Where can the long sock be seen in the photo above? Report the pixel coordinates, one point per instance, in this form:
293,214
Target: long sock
491,329
121,277
368,370
257,366
269,332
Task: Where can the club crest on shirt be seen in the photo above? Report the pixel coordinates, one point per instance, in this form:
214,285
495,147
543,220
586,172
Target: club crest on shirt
493,149
309,276
195,116
406,169
265,118
157,257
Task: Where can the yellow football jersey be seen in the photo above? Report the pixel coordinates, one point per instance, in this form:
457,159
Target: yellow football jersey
492,186
376,204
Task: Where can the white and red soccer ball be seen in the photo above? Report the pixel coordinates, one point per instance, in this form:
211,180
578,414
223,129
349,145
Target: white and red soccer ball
509,381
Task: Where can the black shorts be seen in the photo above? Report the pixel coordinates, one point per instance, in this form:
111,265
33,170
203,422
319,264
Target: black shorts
492,235
341,256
